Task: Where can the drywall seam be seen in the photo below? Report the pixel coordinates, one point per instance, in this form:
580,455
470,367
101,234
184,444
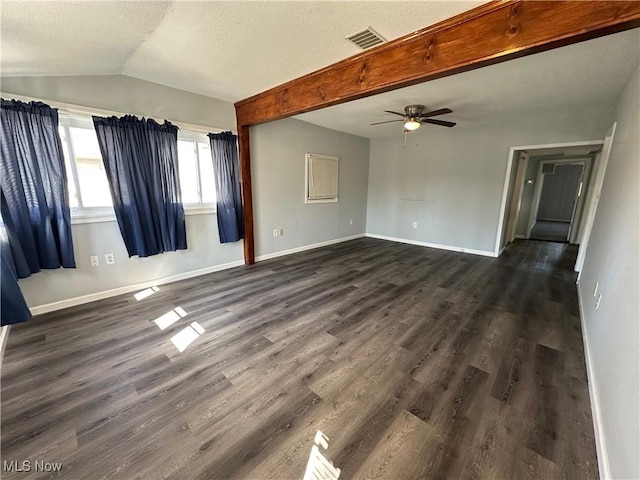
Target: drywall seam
313,246
601,446
92,297
484,253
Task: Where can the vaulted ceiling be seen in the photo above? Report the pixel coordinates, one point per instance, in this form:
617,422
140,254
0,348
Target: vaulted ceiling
234,49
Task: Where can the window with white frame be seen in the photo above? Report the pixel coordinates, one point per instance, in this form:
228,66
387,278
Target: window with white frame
89,194
321,179
88,186
197,181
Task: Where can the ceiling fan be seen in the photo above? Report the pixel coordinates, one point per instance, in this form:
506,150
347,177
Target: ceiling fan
413,117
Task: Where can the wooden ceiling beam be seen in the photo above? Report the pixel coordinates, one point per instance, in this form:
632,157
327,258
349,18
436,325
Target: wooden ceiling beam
491,33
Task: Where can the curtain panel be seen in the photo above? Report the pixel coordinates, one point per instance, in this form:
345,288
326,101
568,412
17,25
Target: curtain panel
224,152
36,218
141,161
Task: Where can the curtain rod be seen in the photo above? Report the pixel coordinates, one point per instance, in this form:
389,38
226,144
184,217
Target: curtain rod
71,109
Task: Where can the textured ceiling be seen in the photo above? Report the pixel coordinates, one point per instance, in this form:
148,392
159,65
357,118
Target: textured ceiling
224,49
586,74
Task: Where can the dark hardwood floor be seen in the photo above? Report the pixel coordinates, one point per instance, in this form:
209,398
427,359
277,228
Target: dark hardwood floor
415,362
551,231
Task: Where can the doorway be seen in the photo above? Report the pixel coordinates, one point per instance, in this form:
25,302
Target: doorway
558,200
560,209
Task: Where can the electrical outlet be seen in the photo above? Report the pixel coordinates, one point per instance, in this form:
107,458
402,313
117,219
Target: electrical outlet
109,258
275,232
94,260
595,290
351,221
281,233
415,225
598,301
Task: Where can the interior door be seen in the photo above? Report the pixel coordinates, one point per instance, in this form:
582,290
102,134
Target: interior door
596,188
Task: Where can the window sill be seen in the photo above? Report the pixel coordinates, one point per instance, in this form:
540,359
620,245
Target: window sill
199,210
92,218
110,217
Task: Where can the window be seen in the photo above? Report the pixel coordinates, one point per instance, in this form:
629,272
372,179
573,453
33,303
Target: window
89,194
197,181
321,179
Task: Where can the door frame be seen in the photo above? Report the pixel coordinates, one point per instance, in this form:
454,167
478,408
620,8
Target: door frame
503,212
595,186
537,195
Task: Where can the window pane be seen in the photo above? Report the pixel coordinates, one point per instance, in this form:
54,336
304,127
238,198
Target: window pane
188,166
71,185
207,178
94,187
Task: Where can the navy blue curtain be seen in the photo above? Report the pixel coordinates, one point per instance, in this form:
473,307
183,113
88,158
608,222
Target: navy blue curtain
36,218
35,225
141,161
224,152
14,308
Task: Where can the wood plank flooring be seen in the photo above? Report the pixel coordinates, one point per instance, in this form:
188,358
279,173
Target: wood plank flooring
415,362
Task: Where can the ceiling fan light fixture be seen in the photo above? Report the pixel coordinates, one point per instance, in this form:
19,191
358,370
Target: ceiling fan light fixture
412,124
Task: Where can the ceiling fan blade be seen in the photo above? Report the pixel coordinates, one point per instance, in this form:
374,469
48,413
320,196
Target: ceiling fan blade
435,113
388,121
395,113
439,122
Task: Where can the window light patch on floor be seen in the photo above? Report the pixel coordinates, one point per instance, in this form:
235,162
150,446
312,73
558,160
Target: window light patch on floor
186,336
169,318
318,467
146,293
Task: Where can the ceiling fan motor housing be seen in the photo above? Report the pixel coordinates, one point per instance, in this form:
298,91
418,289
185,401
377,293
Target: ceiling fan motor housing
414,110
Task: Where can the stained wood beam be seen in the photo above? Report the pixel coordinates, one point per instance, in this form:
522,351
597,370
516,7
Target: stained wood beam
488,34
491,33
247,195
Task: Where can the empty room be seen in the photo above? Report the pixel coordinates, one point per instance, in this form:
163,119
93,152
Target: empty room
320,239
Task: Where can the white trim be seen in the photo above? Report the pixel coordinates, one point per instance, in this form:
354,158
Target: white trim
484,253
92,218
199,209
601,447
313,246
520,236
92,297
502,213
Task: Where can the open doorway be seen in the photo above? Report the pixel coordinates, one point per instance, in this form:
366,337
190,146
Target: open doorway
558,199
555,212
523,188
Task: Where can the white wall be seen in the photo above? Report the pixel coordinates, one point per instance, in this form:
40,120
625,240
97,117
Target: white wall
277,168
204,251
128,95
613,259
452,182
120,93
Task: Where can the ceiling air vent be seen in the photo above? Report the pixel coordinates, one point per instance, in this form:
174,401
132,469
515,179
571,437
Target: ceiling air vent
366,38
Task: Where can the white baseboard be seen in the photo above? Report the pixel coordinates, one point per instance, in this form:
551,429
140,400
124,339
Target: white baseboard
92,297
484,253
520,236
601,446
313,246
